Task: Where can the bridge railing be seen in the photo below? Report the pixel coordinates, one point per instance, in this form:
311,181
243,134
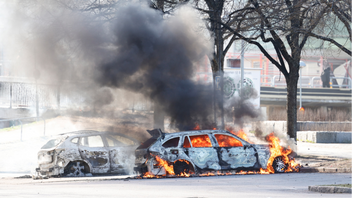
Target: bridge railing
27,93
307,81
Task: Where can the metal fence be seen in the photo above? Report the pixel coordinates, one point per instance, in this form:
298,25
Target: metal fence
25,93
21,121
16,93
307,81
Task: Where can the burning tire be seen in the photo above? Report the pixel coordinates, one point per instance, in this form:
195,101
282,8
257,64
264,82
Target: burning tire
76,169
182,167
279,165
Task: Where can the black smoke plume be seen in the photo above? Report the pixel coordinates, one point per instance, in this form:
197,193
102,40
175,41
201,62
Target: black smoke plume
156,57
133,48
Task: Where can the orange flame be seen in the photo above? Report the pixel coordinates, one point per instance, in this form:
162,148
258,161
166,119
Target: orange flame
239,133
200,141
169,168
277,150
197,127
227,141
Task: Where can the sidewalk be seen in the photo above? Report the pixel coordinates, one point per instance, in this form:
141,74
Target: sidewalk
326,158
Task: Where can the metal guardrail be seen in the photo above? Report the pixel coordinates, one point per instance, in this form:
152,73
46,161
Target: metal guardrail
307,81
20,121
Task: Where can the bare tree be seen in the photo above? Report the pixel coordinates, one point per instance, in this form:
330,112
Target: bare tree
338,17
286,25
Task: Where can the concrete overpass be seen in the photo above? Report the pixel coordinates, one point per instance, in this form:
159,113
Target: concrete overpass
311,97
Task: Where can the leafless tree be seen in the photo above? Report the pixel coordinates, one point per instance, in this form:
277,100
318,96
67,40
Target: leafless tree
286,25
338,19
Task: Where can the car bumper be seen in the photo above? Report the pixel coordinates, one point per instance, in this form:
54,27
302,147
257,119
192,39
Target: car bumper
140,169
49,171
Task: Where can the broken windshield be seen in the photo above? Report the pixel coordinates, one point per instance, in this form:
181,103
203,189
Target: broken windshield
52,143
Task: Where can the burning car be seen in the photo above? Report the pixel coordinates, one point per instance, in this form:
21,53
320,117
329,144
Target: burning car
83,153
200,151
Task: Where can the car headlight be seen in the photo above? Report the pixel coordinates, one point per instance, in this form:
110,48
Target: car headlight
44,158
60,162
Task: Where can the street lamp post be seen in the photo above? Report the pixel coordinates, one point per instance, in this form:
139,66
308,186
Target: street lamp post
242,67
301,65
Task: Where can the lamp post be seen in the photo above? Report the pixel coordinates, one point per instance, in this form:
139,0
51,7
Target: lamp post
242,67
301,65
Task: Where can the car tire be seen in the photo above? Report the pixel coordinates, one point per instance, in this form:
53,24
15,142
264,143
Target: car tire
76,169
279,165
181,167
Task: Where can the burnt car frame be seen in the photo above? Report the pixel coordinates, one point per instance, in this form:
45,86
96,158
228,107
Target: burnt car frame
86,152
201,151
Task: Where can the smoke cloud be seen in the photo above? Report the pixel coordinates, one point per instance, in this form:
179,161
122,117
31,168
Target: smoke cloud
137,49
131,47
156,57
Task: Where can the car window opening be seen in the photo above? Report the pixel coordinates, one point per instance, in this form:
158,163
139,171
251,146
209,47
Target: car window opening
51,143
186,143
171,143
227,141
95,141
74,140
92,141
200,141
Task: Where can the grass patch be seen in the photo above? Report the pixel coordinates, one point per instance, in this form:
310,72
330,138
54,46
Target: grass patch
10,128
17,127
308,141
340,185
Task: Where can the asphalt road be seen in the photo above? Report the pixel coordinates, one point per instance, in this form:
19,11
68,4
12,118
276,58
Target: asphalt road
275,185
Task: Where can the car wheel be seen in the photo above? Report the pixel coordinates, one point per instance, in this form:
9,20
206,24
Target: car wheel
279,165
76,169
181,167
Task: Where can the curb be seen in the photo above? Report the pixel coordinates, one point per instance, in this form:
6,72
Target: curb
127,177
330,189
77,179
325,170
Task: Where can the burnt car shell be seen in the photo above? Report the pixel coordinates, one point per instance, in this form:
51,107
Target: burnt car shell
183,152
82,153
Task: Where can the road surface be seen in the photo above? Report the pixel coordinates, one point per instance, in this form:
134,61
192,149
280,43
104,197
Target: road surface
275,185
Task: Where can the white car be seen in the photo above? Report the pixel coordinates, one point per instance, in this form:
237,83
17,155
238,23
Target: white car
83,153
201,151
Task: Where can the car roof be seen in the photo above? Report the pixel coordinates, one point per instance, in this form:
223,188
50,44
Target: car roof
81,132
93,132
197,132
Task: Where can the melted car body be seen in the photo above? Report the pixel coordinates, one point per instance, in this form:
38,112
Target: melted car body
199,151
84,153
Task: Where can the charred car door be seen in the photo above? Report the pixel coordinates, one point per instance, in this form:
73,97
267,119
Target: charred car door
171,149
121,151
92,149
233,154
201,151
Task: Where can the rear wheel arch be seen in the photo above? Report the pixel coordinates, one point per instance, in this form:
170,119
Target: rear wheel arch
279,165
182,165
77,168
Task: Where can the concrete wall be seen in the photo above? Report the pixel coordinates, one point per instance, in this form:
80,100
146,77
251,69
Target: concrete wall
322,126
307,126
332,136
324,137
273,126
